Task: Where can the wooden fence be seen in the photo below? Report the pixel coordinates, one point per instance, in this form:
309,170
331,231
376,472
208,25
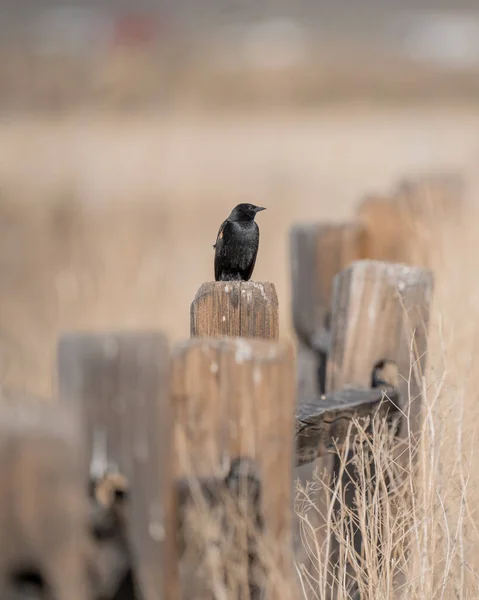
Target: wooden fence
155,471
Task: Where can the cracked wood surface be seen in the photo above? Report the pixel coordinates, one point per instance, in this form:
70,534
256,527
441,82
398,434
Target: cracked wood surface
235,308
322,425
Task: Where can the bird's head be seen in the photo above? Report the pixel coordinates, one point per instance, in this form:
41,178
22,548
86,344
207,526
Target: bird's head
245,212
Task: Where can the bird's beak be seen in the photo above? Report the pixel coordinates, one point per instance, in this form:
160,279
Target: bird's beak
259,209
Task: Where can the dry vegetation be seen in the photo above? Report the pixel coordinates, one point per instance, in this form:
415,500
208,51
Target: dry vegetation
428,529
107,221
186,73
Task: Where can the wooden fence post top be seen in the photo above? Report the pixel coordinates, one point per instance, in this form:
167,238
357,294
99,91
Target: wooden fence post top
244,349
394,272
235,308
263,289
440,192
409,273
313,228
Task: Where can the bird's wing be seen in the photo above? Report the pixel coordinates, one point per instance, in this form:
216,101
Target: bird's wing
220,233
221,247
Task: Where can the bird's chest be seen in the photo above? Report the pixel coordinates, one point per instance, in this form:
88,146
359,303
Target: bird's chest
246,233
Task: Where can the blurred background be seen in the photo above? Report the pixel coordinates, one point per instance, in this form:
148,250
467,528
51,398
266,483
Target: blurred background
129,130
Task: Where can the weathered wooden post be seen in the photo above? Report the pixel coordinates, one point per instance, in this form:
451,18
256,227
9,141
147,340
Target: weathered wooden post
385,224
381,312
318,253
429,206
400,224
437,195
235,399
235,308
120,382
43,507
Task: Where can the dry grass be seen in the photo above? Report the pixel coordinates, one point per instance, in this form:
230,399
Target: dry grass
214,76
424,538
108,222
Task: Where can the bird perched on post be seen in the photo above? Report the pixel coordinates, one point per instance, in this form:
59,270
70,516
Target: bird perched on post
237,244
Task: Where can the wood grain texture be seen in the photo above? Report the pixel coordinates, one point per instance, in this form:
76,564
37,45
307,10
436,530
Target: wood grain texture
235,398
381,311
120,381
318,252
43,508
235,308
322,425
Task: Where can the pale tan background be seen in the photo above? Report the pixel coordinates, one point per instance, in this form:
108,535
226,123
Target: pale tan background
118,164
108,222
119,161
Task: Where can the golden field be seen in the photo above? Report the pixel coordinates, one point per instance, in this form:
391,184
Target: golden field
108,220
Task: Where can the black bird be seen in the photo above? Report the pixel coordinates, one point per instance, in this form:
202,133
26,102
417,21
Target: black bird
237,244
